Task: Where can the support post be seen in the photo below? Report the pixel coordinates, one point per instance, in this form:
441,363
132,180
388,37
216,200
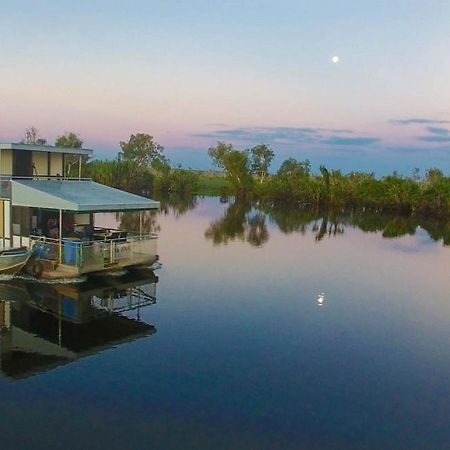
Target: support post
79,167
59,321
60,235
140,223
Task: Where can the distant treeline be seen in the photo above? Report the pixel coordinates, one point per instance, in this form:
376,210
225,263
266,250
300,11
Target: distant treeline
394,193
247,173
129,176
141,167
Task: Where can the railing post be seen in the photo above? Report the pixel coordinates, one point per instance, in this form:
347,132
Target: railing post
60,236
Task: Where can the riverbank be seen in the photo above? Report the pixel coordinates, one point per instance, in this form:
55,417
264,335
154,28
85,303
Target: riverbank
294,184
428,196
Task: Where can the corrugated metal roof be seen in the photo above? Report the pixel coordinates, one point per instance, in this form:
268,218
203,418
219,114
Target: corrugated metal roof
86,196
45,148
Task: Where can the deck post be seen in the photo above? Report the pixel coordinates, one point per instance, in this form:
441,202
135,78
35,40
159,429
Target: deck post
60,235
59,321
79,167
140,223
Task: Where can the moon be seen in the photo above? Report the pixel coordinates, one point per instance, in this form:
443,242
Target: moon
335,59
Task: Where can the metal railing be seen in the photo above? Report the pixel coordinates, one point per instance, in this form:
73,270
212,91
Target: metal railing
93,255
128,300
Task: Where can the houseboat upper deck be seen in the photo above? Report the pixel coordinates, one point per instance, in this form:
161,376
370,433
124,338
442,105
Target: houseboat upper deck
42,206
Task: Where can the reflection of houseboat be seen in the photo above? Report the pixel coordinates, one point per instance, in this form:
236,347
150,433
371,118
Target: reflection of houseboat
41,205
43,326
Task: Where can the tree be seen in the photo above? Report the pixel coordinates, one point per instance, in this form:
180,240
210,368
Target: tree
141,149
434,175
293,168
69,140
32,137
260,159
235,163
326,180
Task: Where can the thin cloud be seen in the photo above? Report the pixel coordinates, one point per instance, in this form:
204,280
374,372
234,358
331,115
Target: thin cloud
418,121
434,138
284,135
438,130
406,149
275,135
337,140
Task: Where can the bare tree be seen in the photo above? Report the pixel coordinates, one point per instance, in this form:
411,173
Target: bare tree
32,137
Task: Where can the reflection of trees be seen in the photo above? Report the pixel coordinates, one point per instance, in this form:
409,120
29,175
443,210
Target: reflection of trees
178,204
175,204
328,226
130,221
248,222
332,222
257,230
291,218
241,222
399,226
392,226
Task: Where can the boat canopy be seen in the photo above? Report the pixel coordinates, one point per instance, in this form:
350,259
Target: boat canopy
81,196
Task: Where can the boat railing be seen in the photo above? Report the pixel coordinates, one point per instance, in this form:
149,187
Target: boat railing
132,298
90,255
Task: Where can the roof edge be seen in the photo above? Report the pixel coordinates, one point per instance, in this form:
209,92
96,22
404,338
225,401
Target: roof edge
45,148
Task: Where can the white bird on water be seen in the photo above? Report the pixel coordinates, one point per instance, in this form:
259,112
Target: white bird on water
321,299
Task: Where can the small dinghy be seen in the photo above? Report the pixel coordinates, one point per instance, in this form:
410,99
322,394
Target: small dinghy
13,259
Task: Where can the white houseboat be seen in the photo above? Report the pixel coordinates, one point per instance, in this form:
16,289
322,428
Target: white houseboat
43,207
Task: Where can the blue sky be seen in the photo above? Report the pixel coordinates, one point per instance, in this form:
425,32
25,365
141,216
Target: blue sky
191,73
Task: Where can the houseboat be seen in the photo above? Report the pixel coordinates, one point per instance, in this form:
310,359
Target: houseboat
44,207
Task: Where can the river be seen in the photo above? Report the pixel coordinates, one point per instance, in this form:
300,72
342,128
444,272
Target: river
264,328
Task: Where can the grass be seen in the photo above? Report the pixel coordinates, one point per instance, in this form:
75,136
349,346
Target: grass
211,183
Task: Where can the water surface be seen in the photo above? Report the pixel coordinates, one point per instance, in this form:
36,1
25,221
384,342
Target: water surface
264,329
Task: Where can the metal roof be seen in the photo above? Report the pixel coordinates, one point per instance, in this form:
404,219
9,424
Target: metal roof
45,148
82,196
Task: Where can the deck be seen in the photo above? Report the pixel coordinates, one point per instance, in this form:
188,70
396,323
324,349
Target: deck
72,257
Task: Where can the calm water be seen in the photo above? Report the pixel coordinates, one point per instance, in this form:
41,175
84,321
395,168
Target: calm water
275,330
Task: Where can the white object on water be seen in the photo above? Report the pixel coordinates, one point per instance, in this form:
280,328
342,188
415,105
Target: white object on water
321,299
335,59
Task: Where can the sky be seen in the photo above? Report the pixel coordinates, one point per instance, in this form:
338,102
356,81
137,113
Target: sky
247,72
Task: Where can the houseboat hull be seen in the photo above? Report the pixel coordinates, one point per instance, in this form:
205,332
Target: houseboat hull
51,271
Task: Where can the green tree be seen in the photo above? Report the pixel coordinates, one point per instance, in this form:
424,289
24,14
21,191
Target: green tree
32,137
261,157
434,175
326,181
293,168
142,149
69,140
235,164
